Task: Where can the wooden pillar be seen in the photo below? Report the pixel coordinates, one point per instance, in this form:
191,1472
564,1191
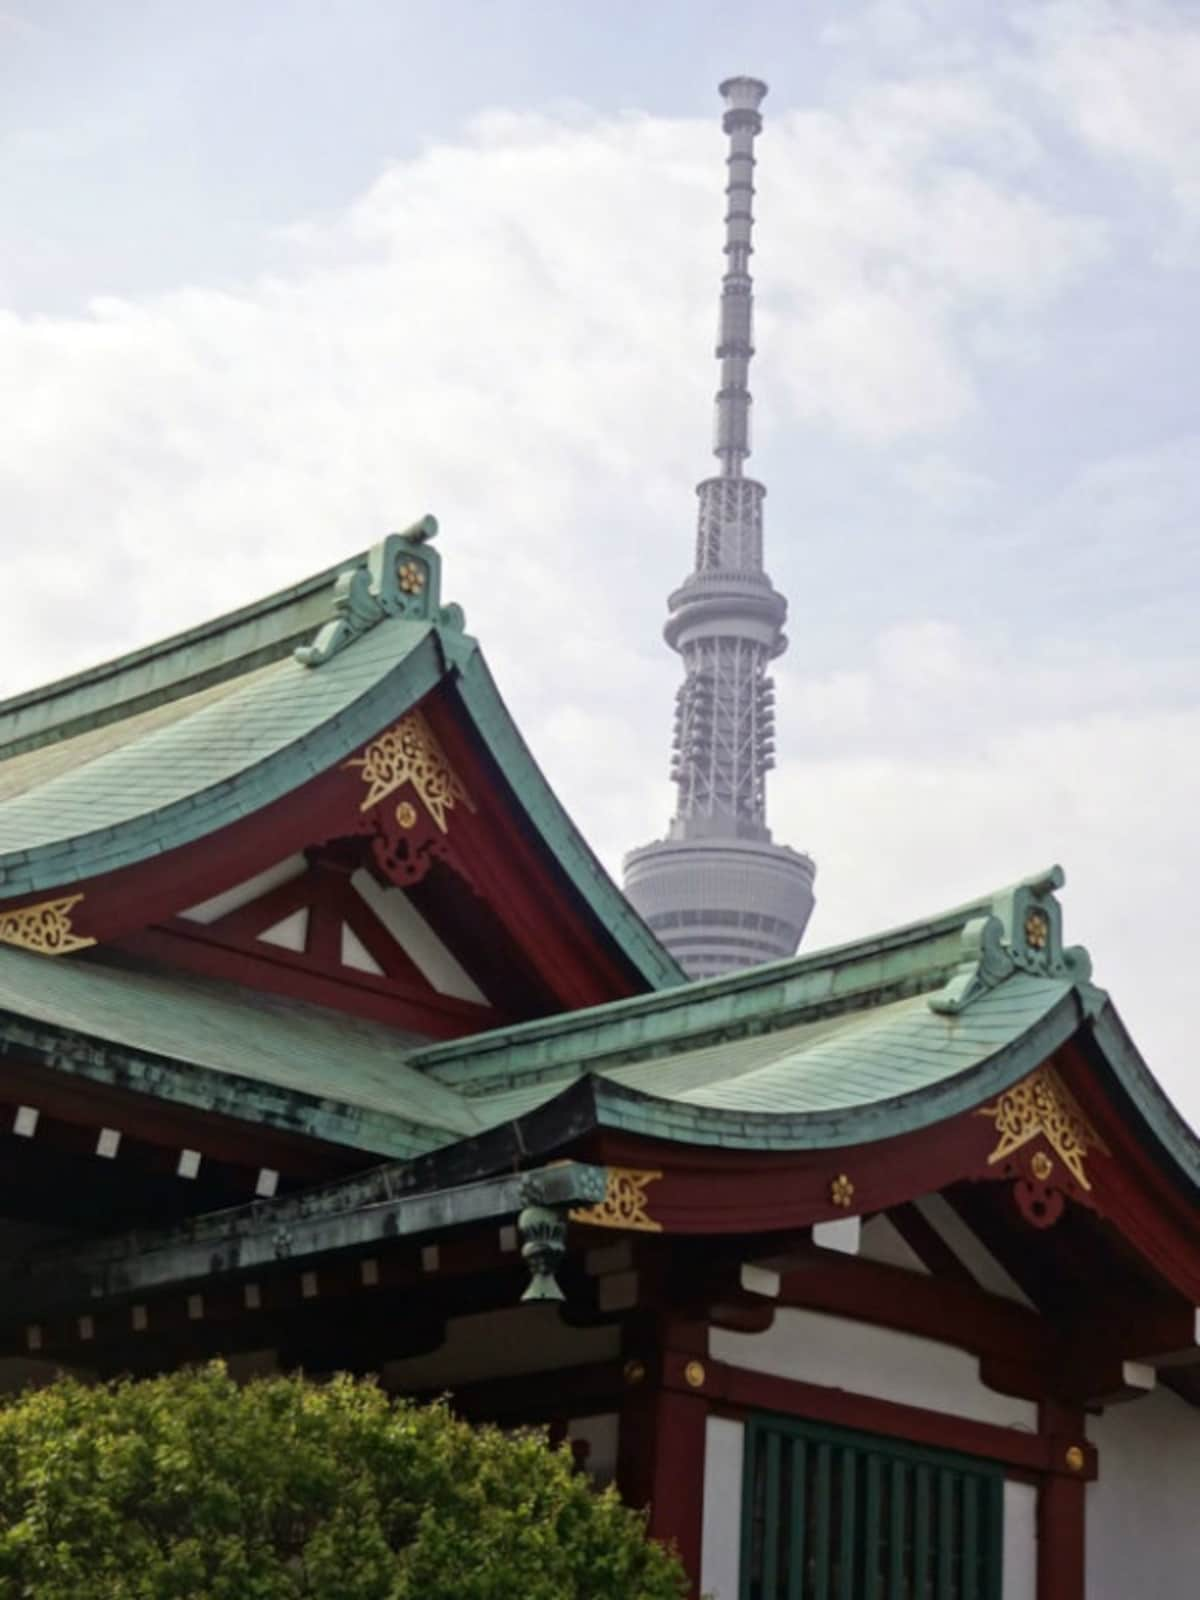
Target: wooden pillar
662,1444
1062,1563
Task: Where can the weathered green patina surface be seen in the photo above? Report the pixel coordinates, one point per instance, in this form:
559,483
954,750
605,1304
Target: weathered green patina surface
831,1050
168,746
214,1047
827,1050
883,1036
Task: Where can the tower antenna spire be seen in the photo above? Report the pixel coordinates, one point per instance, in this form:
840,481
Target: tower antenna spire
717,890
735,346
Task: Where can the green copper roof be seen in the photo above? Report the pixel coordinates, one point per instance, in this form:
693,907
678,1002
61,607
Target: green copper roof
218,756
215,1047
173,743
824,987
226,647
862,1042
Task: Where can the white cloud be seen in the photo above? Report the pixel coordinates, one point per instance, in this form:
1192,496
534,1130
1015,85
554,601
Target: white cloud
510,330
1125,77
943,768
944,486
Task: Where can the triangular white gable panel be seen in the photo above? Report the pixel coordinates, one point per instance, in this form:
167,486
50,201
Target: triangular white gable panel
440,968
243,893
883,1241
970,1249
355,953
290,934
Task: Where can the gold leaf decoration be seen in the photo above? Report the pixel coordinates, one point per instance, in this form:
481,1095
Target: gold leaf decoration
624,1205
841,1191
411,577
1041,1106
1041,1166
45,927
409,753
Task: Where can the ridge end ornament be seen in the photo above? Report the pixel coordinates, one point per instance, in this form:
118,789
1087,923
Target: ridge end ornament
409,752
625,1203
44,927
400,577
1021,931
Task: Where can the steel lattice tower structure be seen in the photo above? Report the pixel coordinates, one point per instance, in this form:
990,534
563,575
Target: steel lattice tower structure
717,891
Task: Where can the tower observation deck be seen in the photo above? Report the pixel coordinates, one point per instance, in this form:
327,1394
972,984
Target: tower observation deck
718,892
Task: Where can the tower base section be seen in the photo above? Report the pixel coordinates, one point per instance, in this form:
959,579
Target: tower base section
722,904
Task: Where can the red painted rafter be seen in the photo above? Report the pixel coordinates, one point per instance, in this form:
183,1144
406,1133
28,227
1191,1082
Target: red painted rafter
280,972
233,947
928,1245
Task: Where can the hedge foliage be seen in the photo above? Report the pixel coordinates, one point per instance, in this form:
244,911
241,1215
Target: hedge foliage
191,1485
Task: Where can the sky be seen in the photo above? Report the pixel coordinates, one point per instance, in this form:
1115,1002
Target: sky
277,278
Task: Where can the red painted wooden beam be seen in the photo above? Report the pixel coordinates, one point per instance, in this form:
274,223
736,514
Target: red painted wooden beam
739,1390
1062,1497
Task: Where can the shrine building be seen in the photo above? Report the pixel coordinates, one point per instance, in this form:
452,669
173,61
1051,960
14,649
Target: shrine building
327,1043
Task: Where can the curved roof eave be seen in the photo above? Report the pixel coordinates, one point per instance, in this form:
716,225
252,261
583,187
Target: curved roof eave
631,1110
476,689
1078,1008
353,696
1158,1113
339,722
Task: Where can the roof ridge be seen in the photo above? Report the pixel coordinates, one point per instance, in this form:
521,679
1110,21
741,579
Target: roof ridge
854,975
253,635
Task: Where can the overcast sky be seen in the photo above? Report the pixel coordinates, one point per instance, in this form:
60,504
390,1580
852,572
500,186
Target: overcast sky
278,277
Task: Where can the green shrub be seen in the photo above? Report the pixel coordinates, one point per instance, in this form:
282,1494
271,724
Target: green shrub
190,1485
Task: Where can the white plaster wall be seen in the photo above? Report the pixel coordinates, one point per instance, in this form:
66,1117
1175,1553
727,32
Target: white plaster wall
1143,1512
721,1545
815,1348
882,1241
1020,1541
970,1249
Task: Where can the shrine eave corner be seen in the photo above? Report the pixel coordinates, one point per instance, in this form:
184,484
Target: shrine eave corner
115,779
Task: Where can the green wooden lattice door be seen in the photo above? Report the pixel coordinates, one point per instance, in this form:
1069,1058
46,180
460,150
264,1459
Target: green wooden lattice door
828,1514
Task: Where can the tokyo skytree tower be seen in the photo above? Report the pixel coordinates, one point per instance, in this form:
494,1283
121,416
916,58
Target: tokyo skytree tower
717,891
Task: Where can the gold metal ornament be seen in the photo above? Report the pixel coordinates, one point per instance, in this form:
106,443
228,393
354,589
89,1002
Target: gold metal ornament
408,752
1074,1458
694,1374
406,814
1041,1166
1041,1106
410,575
841,1191
44,927
634,1372
1037,930
624,1205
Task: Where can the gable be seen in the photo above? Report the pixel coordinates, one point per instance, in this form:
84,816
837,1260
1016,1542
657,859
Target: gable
354,821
